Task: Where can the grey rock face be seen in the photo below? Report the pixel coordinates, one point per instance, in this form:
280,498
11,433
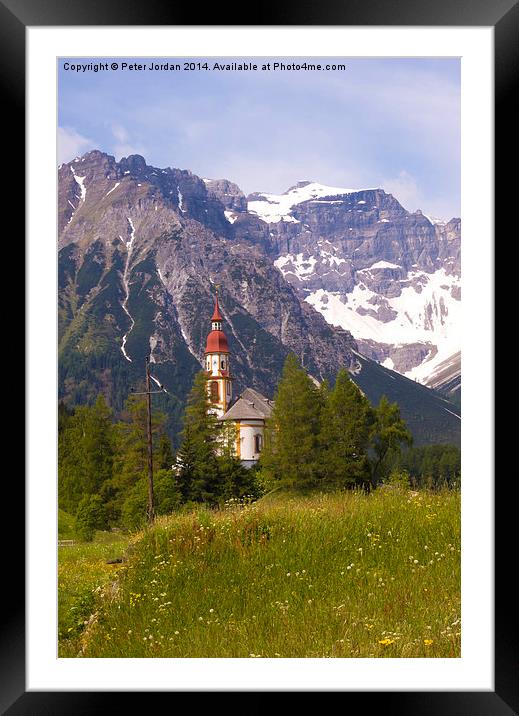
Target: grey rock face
229,194
361,255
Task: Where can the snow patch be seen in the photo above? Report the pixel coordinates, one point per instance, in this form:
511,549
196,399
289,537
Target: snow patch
81,182
303,268
112,189
126,284
455,414
180,201
431,316
230,216
277,207
381,265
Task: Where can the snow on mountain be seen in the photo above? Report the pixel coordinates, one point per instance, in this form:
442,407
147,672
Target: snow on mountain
389,276
425,311
276,207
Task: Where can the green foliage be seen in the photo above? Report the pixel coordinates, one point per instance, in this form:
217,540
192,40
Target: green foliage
66,525
81,608
389,434
90,516
165,456
292,433
399,478
347,424
167,499
85,449
82,573
197,464
433,466
131,454
328,437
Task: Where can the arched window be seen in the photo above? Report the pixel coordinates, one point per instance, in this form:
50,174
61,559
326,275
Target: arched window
257,443
214,391
223,364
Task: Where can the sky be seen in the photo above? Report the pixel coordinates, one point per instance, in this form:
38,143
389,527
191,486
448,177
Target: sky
390,123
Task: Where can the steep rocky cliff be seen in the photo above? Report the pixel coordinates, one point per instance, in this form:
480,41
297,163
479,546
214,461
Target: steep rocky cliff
389,276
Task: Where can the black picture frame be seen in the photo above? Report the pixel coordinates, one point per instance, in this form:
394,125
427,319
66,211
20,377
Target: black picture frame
15,16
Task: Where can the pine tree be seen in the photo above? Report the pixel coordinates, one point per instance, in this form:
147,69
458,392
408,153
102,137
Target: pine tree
131,459
347,422
389,434
197,463
86,453
164,453
291,438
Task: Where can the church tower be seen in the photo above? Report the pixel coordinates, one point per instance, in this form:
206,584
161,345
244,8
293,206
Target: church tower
217,367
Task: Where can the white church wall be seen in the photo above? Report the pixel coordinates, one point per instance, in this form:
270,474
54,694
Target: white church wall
247,440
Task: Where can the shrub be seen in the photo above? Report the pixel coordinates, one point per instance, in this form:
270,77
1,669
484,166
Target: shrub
90,516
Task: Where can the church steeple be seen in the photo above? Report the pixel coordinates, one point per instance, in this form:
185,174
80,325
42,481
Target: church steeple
217,367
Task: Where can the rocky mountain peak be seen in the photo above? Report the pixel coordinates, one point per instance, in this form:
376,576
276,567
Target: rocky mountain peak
228,193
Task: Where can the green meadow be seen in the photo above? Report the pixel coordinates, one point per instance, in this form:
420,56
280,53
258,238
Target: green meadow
347,574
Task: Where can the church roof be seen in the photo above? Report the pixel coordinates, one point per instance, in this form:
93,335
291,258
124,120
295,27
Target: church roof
216,313
251,405
217,342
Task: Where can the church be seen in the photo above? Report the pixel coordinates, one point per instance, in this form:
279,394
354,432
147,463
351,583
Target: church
247,414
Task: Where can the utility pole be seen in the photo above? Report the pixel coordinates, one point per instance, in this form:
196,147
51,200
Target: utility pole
148,393
150,444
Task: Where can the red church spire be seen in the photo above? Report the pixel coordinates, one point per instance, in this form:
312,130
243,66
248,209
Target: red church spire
216,313
216,340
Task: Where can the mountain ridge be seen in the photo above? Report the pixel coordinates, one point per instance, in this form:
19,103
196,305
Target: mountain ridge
139,248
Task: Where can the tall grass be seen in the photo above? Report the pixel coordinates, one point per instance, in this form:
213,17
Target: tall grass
343,575
82,572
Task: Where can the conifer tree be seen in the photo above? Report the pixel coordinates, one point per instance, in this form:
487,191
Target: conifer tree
291,445
198,473
389,434
164,453
86,453
131,459
347,422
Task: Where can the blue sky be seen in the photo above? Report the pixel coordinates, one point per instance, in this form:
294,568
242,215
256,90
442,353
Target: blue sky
393,123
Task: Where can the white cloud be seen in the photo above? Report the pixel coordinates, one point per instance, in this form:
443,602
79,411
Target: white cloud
405,189
71,144
124,146
120,133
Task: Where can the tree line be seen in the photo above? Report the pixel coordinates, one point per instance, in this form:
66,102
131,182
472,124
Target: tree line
329,437
317,437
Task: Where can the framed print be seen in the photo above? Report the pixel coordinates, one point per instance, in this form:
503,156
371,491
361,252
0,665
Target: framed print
244,214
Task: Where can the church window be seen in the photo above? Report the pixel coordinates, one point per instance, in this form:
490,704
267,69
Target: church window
257,443
223,364
214,391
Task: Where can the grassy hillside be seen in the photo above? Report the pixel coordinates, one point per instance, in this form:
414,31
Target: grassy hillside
82,571
344,575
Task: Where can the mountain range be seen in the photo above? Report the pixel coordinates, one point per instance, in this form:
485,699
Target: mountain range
340,277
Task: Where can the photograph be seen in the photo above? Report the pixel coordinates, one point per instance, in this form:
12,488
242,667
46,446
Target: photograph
259,357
